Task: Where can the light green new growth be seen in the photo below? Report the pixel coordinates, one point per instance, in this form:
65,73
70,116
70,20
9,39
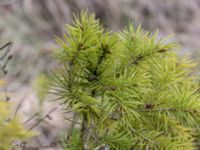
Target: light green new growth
11,130
126,89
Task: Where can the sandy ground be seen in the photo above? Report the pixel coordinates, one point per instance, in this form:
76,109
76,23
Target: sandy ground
50,129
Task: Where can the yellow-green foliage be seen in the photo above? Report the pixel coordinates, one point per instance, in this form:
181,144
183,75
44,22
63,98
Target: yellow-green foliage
10,129
127,89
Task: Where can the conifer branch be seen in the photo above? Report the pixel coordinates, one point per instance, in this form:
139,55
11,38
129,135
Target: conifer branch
135,61
114,98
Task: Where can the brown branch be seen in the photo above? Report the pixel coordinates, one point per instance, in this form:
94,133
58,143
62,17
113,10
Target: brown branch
135,61
168,109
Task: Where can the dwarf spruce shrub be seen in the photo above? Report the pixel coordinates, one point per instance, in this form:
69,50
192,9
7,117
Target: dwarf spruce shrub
126,90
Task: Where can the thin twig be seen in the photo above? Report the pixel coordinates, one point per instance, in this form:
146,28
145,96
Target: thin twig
74,122
40,120
19,105
29,119
8,46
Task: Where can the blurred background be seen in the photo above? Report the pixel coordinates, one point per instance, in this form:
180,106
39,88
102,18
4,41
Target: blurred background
33,24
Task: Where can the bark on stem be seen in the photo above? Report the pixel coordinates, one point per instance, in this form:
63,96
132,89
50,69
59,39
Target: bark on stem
86,132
